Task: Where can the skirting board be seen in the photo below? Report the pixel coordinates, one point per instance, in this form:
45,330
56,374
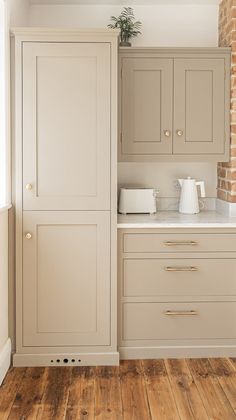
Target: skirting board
176,352
70,359
5,359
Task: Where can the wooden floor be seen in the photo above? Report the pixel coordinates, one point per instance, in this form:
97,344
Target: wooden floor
142,389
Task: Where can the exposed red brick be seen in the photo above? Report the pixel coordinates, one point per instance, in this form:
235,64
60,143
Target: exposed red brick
231,164
233,151
227,38
221,172
231,175
231,198
233,129
222,195
233,116
233,139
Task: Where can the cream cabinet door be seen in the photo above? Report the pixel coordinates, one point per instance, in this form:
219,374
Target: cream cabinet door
66,278
66,126
146,106
199,101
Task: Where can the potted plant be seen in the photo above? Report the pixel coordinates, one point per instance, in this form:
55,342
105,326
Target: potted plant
127,25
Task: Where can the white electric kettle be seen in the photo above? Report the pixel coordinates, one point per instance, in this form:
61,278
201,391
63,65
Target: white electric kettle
189,196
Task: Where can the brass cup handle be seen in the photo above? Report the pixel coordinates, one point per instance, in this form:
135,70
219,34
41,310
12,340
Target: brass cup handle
167,133
171,243
181,269
28,235
179,133
182,313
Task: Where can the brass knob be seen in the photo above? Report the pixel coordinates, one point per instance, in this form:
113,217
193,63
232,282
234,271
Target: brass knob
29,187
28,235
167,133
179,133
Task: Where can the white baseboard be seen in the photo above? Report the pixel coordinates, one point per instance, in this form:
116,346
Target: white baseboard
66,359
5,359
176,352
223,207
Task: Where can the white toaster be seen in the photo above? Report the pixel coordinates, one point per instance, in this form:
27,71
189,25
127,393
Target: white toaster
137,200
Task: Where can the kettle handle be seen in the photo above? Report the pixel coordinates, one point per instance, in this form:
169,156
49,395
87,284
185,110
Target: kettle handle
201,184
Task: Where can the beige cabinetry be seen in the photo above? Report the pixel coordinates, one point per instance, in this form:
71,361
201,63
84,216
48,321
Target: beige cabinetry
200,111
66,126
66,278
66,137
146,106
174,297
174,104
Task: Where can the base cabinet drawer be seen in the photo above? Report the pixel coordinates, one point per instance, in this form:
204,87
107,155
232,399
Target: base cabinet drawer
179,242
198,320
178,277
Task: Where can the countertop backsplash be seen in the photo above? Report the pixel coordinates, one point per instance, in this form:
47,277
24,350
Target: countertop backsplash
163,177
172,203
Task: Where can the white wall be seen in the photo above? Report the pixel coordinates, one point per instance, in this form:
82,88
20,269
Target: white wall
5,345
18,12
163,25
164,175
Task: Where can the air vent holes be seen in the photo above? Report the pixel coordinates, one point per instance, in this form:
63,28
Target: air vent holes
65,361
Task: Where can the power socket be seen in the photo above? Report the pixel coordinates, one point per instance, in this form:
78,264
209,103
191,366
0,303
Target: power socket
176,185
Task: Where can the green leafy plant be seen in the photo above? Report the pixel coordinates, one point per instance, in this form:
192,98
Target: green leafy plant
127,25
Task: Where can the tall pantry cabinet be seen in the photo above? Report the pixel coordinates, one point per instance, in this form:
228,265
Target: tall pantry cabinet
65,141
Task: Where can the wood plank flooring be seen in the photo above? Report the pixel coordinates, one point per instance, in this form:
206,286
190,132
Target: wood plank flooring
186,389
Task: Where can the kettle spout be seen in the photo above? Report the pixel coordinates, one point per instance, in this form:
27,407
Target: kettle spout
180,182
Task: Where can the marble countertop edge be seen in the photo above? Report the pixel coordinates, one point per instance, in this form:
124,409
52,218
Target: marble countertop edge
173,219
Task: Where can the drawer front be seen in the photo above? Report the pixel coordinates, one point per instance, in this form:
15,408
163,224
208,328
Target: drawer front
176,277
179,242
155,321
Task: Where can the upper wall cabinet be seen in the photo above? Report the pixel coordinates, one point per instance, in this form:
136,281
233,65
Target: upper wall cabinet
66,126
174,104
146,109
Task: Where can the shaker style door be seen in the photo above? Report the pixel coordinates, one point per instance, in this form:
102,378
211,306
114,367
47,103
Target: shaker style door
66,126
66,278
199,106
146,106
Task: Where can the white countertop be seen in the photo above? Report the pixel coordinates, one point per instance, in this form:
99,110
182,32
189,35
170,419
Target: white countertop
169,219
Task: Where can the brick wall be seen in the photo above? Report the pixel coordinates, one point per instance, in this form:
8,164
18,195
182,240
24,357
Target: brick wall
227,38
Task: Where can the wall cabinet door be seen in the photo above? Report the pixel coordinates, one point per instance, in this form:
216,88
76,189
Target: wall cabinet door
66,126
199,101
66,279
146,106
174,104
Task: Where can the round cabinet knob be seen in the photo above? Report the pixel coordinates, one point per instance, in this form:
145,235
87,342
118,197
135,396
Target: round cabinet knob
167,133
29,187
28,235
179,133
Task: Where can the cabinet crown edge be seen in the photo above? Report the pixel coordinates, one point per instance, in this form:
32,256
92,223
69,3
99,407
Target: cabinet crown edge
66,32
174,50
